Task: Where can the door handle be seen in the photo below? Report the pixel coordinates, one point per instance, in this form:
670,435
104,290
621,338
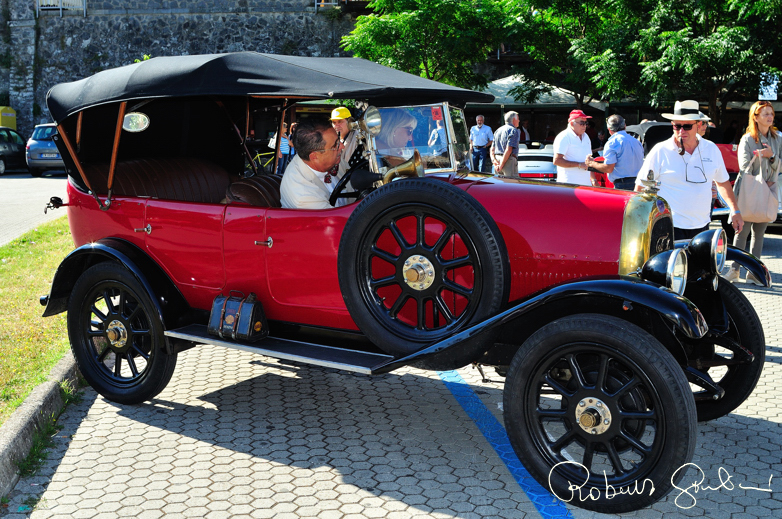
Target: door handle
147,229
267,243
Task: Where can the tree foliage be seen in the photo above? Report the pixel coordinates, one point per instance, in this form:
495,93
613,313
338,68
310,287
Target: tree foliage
442,40
655,51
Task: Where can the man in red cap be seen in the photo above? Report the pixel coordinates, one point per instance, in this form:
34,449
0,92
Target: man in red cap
571,149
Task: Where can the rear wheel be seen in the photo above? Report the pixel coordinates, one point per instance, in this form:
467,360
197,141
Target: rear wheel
36,172
116,335
596,404
2,166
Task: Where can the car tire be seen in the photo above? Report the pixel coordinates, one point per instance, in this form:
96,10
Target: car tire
598,392
2,166
446,238
738,380
107,302
35,172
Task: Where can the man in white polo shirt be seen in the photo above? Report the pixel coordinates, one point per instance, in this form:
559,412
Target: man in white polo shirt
685,166
571,149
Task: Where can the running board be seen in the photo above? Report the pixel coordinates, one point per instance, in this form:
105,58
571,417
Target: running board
286,349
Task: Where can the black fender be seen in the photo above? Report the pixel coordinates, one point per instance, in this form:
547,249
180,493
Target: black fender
450,353
169,302
749,262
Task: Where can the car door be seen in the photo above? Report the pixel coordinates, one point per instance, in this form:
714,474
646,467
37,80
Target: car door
301,266
185,239
13,147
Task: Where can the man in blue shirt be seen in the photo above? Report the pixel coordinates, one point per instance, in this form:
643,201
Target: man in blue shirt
481,138
623,155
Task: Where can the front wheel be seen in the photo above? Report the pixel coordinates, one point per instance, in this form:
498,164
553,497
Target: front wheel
599,413
725,358
116,335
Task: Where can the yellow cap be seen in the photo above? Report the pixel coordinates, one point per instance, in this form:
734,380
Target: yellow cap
340,113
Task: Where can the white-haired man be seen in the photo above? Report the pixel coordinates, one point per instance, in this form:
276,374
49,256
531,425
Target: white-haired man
622,154
505,147
685,166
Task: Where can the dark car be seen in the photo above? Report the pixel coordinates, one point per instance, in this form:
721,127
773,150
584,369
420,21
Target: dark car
11,150
42,152
613,339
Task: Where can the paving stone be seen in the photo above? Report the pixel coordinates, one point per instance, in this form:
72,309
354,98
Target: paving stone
239,435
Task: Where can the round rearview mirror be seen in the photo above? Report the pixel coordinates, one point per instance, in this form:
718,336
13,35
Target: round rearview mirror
372,121
135,122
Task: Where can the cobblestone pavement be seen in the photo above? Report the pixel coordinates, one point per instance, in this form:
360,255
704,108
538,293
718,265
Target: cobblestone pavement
240,435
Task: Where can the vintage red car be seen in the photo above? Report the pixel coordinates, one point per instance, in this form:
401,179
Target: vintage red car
601,324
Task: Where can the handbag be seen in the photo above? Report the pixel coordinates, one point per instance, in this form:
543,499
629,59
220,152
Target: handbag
757,202
234,317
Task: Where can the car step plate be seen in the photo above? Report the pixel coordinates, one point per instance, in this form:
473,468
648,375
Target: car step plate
286,349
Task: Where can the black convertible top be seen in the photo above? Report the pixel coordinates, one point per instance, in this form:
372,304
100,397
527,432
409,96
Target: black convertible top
253,73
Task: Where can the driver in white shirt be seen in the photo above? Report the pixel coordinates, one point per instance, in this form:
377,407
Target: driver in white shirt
308,183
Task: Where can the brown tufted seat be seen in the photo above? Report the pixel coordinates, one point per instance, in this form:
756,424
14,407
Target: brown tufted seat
184,178
261,191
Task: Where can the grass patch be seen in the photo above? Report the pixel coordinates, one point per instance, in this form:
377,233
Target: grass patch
42,440
30,345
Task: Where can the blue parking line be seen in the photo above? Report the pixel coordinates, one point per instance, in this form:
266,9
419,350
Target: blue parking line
494,432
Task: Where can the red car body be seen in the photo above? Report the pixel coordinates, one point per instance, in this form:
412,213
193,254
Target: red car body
605,329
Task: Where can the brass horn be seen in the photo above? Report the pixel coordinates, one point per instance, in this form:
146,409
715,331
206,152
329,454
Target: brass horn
413,167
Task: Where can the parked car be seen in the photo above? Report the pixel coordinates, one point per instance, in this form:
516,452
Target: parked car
613,340
11,150
42,154
537,163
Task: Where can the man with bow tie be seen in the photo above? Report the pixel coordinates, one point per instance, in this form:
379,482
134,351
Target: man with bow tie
308,180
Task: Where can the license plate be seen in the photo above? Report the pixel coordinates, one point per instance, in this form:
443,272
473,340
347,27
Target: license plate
50,155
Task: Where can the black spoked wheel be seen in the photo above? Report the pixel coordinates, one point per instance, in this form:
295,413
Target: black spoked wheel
735,361
420,260
116,336
595,403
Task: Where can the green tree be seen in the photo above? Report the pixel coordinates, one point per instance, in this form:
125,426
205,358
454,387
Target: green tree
547,31
709,51
442,40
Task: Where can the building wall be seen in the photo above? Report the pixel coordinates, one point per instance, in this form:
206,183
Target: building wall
51,49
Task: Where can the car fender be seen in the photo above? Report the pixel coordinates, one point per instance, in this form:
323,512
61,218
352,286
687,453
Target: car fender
169,302
749,262
675,310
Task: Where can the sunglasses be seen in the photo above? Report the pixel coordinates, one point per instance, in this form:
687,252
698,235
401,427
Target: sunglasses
686,127
333,148
580,123
408,129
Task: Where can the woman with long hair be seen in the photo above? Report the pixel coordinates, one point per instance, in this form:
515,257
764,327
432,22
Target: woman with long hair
762,143
395,135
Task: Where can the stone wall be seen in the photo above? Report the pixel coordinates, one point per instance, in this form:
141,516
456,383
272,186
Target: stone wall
51,49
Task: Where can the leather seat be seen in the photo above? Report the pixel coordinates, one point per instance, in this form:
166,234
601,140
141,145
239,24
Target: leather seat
184,179
261,191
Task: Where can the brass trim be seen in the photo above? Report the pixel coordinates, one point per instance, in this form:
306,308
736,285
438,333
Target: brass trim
640,215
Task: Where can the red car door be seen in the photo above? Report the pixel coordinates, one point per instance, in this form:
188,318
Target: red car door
185,238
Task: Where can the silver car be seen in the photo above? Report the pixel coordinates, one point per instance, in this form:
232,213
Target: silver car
537,164
42,154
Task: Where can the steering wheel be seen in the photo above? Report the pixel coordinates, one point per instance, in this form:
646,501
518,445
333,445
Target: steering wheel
337,192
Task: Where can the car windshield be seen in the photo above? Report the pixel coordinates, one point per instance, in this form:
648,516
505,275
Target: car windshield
44,133
438,132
